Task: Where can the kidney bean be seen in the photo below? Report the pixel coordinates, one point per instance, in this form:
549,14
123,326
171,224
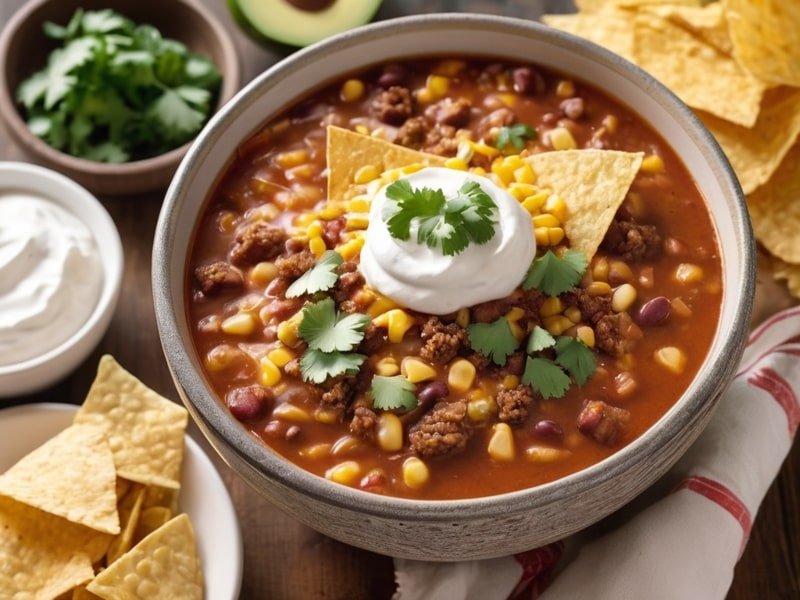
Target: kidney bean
270,333
277,287
433,391
283,309
548,429
527,81
654,312
376,478
248,403
292,433
392,75
572,108
294,245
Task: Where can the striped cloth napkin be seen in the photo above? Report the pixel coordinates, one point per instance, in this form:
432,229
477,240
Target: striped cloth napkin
682,539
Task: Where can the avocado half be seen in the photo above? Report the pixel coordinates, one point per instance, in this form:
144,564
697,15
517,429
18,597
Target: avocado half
300,22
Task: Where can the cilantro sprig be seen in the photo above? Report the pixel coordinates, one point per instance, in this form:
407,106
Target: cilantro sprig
554,275
390,393
551,379
514,135
321,277
447,224
494,340
116,91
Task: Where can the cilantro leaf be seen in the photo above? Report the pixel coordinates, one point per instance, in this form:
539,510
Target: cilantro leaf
545,377
539,340
476,211
322,276
576,358
324,329
389,393
554,275
107,152
494,340
515,135
176,115
410,204
317,366
105,21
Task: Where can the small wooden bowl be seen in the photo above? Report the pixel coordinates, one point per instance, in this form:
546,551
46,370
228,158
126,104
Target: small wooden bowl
24,49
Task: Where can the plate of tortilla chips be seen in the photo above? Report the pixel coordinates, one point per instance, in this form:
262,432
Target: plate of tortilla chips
112,500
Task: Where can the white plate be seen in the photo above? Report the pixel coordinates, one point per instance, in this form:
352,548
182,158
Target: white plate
203,494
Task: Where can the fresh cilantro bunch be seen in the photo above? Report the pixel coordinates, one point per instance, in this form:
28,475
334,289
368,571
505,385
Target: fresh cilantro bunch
449,224
116,91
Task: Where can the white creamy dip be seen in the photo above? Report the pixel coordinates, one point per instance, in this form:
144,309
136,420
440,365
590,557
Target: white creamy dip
423,279
50,276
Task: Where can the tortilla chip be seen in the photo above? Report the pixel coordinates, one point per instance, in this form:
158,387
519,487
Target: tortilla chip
81,593
612,29
698,73
783,271
164,565
766,38
707,22
144,430
775,210
151,519
130,510
755,153
349,151
71,475
592,6
593,184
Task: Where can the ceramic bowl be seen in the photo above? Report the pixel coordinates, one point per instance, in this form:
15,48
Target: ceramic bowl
43,370
24,48
482,527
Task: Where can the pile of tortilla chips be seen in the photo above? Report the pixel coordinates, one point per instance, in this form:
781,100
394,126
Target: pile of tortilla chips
90,513
737,63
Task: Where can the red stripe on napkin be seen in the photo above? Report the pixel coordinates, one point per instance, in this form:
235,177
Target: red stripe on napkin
719,494
537,570
777,387
787,314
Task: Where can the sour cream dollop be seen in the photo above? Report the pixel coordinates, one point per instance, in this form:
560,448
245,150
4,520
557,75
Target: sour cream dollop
422,278
50,276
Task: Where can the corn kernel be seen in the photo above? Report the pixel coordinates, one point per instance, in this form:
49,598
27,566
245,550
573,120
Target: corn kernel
503,171
449,67
479,409
263,273
281,356
350,249
484,149
560,138
438,85
387,367
586,335
287,330
345,473
521,191
306,171
415,370
623,297
542,236
366,174
545,220
652,164
316,451
357,221
359,204
610,122
292,158
515,314
671,358
478,171
524,174
556,206
598,288
516,330
304,219
501,444
314,229
557,324
456,163
352,90
551,305
573,313
424,96
461,375
415,472
619,272
290,412
331,211
555,235
510,382
533,204
396,321
239,324
317,246
362,129
600,269
543,454
390,432
326,416
380,305
680,308
565,89
688,273
508,99
344,445
462,317
412,168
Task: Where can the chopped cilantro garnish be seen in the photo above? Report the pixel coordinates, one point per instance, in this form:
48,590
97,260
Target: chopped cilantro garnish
554,275
324,329
545,377
321,277
389,393
576,358
515,135
539,340
494,340
316,366
448,224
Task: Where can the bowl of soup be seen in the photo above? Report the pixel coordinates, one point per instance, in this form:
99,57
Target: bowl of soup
453,287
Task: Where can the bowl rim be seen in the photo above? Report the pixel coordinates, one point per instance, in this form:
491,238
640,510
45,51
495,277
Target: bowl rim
81,203
9,111
260,458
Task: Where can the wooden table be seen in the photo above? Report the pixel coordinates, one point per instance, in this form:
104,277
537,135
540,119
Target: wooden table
284,559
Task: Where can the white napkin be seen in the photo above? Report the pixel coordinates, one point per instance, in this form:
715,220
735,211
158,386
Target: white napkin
684,543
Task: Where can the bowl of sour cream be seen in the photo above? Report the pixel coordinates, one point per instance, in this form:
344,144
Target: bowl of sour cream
60,276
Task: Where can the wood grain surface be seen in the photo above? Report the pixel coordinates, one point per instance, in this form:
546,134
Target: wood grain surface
286,560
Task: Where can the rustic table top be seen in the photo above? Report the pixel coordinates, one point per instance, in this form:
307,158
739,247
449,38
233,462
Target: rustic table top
283,558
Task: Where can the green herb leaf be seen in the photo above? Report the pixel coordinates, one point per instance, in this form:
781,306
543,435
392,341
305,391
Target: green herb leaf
106,152
576,358
176,115
555,275
105,21
321,277
389,393
449,224
515,135
324,329
494,340
539,340
545,377
317,366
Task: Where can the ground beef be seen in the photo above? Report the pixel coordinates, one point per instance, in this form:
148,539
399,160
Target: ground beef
616,334
441,431
293,266
515,404
442,341
217,277
421,134
347,285
292,368
593,308
487,312
364,421
455,113
257,242
393,106
632,241
602,422
340,392
413,133
480,362
515,364
375,338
